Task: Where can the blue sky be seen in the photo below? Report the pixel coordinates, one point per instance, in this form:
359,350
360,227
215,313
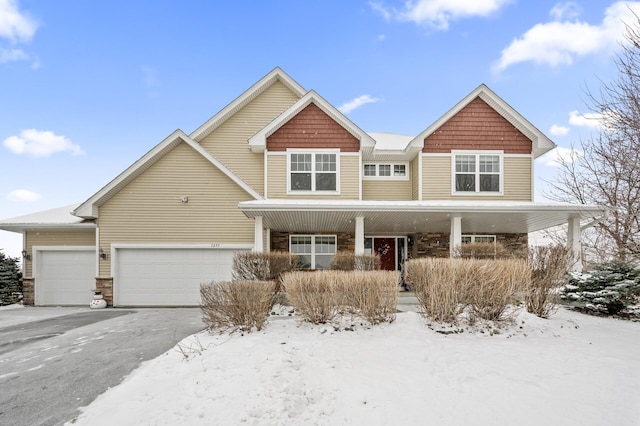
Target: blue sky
87,87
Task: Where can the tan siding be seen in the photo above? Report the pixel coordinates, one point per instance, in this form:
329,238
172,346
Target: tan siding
149,210
436,175
349,175
229,142
436,178
62,237
415,178
392,190
517,178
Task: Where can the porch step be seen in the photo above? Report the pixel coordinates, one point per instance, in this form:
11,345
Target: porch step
407,298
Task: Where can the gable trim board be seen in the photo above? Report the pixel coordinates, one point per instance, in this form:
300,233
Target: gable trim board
89,209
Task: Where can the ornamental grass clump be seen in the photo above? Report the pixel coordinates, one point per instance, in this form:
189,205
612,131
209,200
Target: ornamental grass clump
236,305
548,265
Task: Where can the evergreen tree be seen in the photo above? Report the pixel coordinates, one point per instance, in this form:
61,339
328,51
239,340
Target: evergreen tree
10,280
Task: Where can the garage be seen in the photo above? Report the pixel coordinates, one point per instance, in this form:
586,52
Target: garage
64,275
168,276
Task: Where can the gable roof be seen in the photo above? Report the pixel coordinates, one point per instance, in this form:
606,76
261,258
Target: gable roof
540,142
250,94
89,209
258,142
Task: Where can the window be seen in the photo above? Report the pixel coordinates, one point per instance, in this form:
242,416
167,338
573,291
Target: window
384,171
466,239
313,171
477,172
314,251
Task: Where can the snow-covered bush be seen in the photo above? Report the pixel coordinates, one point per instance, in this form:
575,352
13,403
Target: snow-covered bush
608,288
231,305
10,285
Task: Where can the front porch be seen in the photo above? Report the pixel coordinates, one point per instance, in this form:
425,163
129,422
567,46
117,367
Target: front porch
427,228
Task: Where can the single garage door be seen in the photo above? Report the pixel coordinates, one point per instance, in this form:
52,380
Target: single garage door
65,276
168,276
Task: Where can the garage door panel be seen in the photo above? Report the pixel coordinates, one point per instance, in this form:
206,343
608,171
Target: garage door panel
168,277
65,277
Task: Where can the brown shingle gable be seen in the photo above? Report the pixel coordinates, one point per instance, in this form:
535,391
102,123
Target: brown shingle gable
312,128
477,126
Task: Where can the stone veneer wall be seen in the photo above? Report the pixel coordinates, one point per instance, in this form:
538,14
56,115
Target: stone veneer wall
105,285
28,297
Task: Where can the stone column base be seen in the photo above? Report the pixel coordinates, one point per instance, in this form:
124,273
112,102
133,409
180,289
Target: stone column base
105,285
28,291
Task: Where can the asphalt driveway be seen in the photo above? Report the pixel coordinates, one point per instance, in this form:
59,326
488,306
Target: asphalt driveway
55,360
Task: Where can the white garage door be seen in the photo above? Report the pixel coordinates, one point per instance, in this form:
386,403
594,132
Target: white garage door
168,276
65,276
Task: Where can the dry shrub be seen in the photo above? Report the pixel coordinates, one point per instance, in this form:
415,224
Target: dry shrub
234,305
493,284
263,266
439,286
548,265
484,251
348,261
314,295
373,294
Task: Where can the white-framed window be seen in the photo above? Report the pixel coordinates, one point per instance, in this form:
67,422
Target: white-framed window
314,251
384,171
466,239
313,171
477,173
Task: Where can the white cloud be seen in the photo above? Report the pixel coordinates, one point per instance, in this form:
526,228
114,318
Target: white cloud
349,106
23,196
557,130
561,41
592,120
555,157
10,55
38,143
14,24
438,13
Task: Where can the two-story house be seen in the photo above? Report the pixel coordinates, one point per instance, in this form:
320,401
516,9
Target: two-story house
280,168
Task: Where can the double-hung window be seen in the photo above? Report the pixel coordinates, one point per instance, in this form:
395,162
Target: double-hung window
478,173
314,251
313,171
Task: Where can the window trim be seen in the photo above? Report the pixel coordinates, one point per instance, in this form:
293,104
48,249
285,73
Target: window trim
474,236
313,153
391,164
477,154
313,246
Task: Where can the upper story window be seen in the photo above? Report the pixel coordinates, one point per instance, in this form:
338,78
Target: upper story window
386,171
313,171
478,173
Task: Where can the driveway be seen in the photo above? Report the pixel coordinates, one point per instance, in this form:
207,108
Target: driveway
55,360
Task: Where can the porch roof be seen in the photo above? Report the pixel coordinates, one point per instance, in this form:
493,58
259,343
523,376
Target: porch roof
414,216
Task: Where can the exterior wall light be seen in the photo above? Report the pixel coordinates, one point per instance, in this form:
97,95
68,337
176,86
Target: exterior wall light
26,255
103,255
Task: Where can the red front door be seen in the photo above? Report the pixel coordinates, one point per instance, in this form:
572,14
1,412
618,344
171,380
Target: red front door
386,249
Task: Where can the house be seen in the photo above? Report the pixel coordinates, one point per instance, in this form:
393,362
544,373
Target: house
280,168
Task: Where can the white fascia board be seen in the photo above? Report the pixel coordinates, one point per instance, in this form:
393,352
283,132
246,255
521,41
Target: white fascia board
426,206
23,227
258,142
540,142
277,74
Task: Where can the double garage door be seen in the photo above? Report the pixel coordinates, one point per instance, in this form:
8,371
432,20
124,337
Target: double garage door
167,276
143,276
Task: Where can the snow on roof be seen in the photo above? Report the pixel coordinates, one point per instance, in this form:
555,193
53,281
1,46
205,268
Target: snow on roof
57,216
390,141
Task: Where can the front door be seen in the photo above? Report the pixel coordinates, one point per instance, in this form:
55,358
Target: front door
386,249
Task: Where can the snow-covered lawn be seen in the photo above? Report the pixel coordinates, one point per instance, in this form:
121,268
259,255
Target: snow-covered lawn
572,369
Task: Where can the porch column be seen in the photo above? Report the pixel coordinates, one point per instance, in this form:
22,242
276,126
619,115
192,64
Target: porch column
258,246
359,235
574,245
455,237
